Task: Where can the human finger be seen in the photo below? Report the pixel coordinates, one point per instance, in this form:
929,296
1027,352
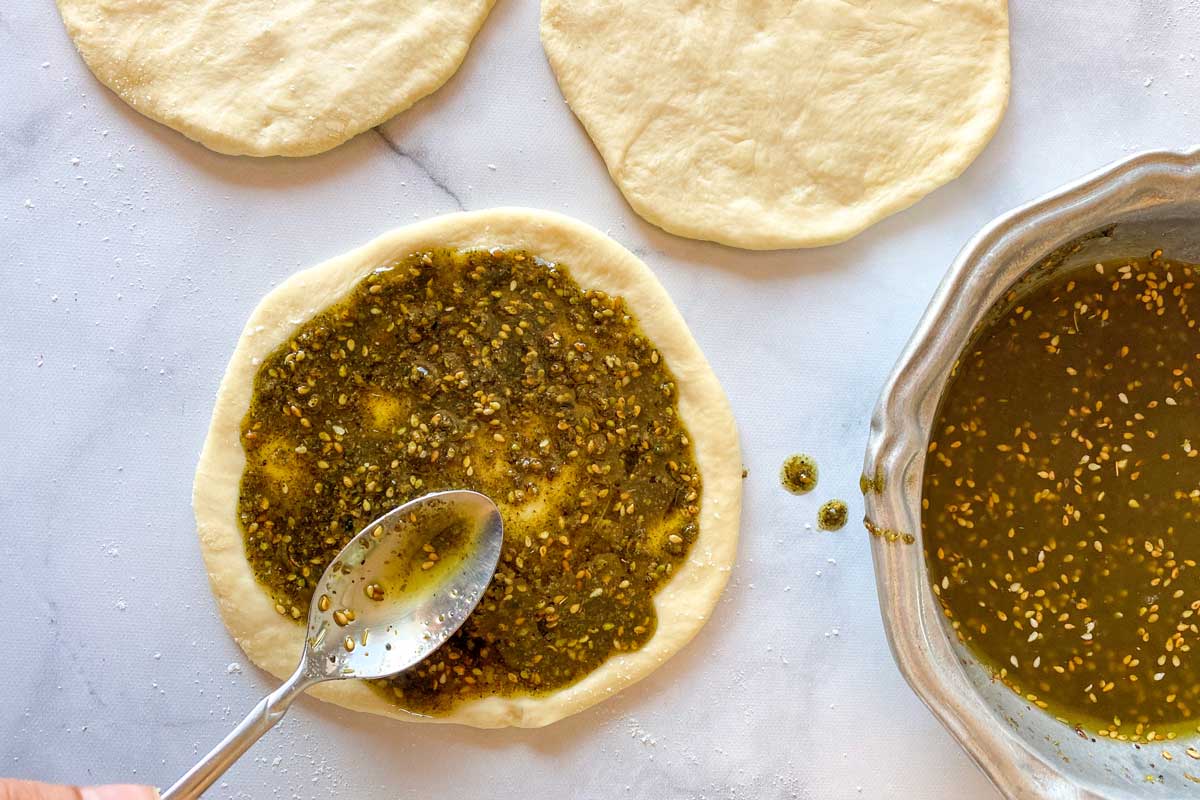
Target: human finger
31,790
118,792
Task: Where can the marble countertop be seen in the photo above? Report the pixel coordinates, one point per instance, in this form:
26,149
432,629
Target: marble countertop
132,256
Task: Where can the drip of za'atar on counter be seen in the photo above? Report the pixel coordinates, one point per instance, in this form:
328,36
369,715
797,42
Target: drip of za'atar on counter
832,515
1061,498
799,476
494,371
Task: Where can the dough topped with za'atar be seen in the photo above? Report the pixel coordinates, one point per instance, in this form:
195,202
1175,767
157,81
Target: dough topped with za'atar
516,353
780,123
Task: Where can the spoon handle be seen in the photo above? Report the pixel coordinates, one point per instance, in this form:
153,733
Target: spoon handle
260,720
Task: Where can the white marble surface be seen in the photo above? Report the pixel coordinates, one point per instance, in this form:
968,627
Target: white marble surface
131,257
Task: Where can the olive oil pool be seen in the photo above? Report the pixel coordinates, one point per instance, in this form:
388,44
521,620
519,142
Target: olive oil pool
1061,498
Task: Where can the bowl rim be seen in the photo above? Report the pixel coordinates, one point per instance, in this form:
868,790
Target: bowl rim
992,261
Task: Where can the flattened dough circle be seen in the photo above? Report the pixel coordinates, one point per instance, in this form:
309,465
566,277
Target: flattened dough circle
767,124
683,604
272,77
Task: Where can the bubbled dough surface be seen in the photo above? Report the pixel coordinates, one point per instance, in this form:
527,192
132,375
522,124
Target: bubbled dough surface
780,123
272,77
683,604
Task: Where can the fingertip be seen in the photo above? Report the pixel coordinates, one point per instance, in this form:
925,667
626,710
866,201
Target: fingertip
118,792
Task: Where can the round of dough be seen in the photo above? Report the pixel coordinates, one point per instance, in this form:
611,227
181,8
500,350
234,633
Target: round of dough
272,77
780,123
683,604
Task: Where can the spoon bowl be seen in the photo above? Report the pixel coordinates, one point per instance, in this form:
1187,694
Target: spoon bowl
394,594
403,585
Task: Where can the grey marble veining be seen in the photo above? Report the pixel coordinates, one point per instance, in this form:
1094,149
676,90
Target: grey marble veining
132,256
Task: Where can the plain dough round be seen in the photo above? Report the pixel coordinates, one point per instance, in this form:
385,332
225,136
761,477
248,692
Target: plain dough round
766,124
596,262
272,77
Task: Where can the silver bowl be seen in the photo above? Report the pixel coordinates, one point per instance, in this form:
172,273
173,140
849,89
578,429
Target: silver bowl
1124,210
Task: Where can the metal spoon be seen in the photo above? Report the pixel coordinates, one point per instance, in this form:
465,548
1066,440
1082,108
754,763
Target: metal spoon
394,594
